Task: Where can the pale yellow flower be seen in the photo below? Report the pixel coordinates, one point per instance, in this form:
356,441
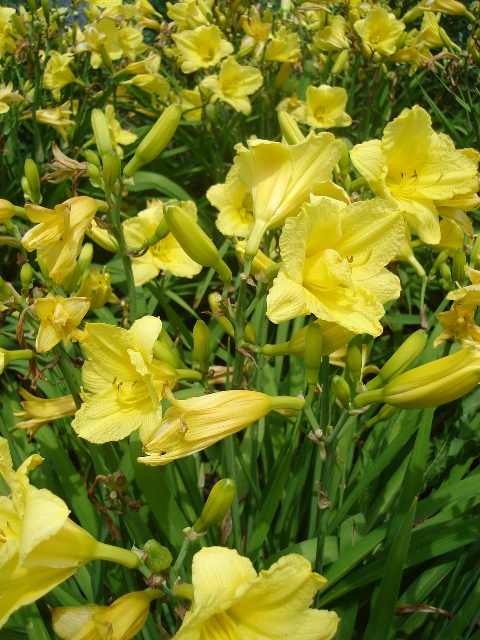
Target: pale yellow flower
7,40
450,7
104,32
58,118
120,137
130,40
334,259
121,620
58,74
457,321
429,35
40,411
192,103
324,108
59,233
125,381
234,84
201,48
166,254
283,46
151,64
333,37
7,97
196,423
232,601
417,169
152,83
102,237
380,31
187,14
257,33
234,203
40,546
59,319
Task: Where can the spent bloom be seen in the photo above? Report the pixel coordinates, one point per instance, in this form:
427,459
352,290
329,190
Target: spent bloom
196,423
420,171
334,259
122,620
324,108
40,411
380,31
124,380
234,84
59,319
59,233
40,546
232,600
164,255
201,48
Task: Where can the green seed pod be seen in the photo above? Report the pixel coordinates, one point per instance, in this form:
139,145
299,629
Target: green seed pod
158,558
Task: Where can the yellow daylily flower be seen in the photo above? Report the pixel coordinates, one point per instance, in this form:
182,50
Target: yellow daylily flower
333,37
234,83
151,64
125,381
283,46
380,31
324,108
456,322
102,237
201,48
59,233
104,32
152,83
121,620
234,203
58,74
417,169
130,40
59,319
196,423
8,97
232,600
96,286
40,546
257,33
7,40
186,13
192,102
450,7
58,118
118,135
334,259
164,255
429,35
40,411
281,178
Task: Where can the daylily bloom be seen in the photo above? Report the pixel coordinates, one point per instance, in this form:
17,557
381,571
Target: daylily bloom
59,233
324,108
201,48
125,381
417,169
231,600
58,74
58,118
152,83
96,286
164,255
186,14
59,319
380,31
40,411
234,203
7,40
40,546
234,83
104,32
257,33
281,178
334,259
196,423
7,98
283,46
122,620
457,321
332,37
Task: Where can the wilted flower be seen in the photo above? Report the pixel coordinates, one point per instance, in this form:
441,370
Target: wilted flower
231,597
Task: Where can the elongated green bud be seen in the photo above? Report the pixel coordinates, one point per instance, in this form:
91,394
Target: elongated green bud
217,505
341,391
93,171
92,158
33,179
354,362
406,355
458,267
194,241
445,272
111,172
156,139
101,132
340,63
158,558
69,283
201,345
439,260
290,129
313,353
26,277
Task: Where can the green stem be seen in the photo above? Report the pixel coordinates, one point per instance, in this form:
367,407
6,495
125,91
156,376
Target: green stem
69,374
232,473
180,557
239,326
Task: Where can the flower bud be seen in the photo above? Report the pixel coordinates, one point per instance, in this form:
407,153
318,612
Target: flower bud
93,172
194,241
429,385
18,24
33,179
341,391
445,272
354,362
92,158
96,286
217,506
111,171
340,62
167,354
222,320
334,337
458,267
403,357
158,558
156,139
45,10
101,132
7,210
201,345
439,260
26,277
260,263
313,353
290,129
